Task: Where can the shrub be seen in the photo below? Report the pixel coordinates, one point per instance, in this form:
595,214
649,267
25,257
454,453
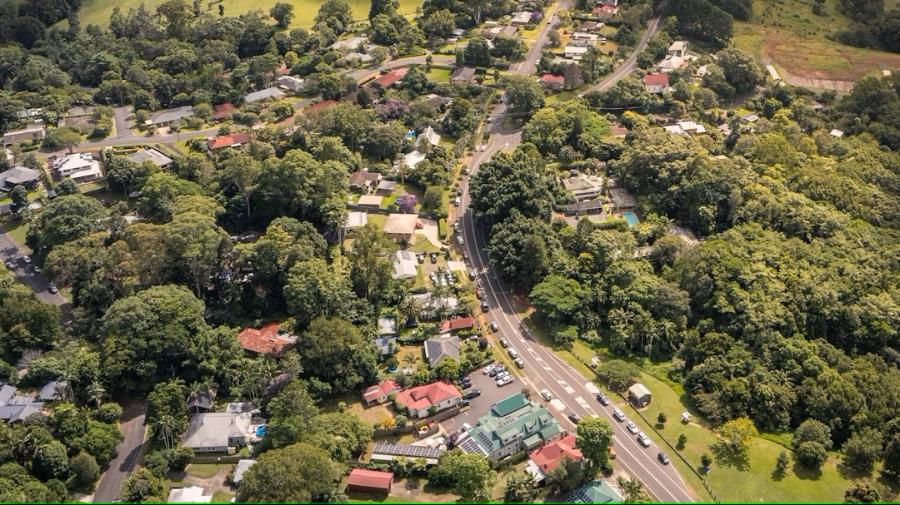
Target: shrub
109,413
178,458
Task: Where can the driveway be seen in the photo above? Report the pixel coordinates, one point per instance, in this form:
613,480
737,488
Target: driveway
128,454
478,407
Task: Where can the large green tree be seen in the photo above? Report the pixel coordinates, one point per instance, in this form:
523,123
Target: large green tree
297,473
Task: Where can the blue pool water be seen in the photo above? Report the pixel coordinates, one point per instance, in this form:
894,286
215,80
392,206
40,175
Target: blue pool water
631,217
261,430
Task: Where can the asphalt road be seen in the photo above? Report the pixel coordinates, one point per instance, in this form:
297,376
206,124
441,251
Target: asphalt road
10,252
543,369
128,454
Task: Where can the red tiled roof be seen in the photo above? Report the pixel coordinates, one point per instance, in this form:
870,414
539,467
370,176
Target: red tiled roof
391,77
227,140
550,455
324,104
383,388
656,79
265,340
458,323
422,397
370,479
606,9
553,78
222,110
283,70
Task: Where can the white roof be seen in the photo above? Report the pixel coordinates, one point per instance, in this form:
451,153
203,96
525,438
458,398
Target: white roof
214,429
671,63
76,166
356,219
370,200
242,466
521,17
638,390
405,265
264,94
836,133
401,224
576,49
193,494
678,45
428,135
413,158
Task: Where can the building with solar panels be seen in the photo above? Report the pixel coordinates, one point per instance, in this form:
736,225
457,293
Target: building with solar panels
387,451
514,424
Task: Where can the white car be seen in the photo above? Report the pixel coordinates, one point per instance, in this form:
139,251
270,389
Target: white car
506,380
488,369
459,240
502,375
618,415
546,395
631,427
643,439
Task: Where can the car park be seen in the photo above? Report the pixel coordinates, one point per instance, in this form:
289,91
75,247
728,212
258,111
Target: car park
663,458
494,326
546,394
520,362
618,415
603,399
643,439
504,342
471,395
631,427
575,418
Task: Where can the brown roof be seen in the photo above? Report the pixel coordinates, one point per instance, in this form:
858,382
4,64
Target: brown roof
458,323
424,396
656,79
391,77
553,78
370,479
222,110
265,340
324,104
227,140
383,388
551,455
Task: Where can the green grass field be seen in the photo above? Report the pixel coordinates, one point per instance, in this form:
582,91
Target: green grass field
97,11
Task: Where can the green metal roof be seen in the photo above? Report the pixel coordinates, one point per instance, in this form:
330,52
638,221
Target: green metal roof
521,420
509,404
598,491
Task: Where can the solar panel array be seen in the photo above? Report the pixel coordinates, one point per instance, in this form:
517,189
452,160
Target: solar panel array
409,451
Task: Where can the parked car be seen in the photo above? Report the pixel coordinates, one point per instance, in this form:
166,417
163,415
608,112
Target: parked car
457,202
643,439
26,259
486,370
52,288
434,257
603,399
502,375
471,395
479,293
504,342
472,274
36,269
459,240
631,427
618,415
485,306
512,353
663,458
546,394
10,265
575,418
494,326
520,362
456,226
505,381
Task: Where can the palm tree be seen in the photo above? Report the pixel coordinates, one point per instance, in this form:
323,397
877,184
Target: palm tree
165,429
96,392
633,490
409,308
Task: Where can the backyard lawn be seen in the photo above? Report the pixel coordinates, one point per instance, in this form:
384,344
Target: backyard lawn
98,11
439,75
17,232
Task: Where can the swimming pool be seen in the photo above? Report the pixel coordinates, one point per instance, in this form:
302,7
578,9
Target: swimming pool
631,217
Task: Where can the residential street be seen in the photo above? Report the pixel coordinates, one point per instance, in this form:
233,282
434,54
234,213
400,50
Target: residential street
9,251
128,453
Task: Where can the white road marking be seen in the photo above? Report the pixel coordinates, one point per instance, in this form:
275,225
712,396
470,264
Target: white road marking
558,405
591,388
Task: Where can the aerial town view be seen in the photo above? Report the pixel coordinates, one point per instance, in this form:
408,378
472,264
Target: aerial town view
436,251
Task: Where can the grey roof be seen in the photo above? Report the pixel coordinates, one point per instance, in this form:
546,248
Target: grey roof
574,208
242,466
159,159
6,393
264,94
440,347
463,73
387,326
15,413
216,429
622,198
406,450
172,115
19,175
201,400
52,391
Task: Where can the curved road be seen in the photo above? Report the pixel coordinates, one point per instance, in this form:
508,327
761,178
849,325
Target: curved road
544,369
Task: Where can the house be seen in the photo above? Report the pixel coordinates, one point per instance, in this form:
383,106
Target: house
552,82
389,451
362,480
427,399
619,131
678,49
167,117
656,82
217,431
639,395
234,140
671,63
351,43
152,155
29,113
584,187
514,424
458,323
223,111
622,199
370,201
358,58
583,39
241,468
428,137
406,266
385,346
355,219
462,76
390,78
432,306
240,408
386,326
685,128
590,26
265,340
192,494
52,391
413,158
290,82
574,52
386,187
270,93
80,167
363,180
505,31
520,18
380,393
201,400
437,101
773,73
605,11
19,176
595,492
836,133
401,226
31,134
544,459
583,208
440,347
750,118
20,413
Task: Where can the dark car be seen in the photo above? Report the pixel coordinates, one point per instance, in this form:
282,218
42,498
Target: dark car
485,307
603,399
471,395
434,257
663,458
575,418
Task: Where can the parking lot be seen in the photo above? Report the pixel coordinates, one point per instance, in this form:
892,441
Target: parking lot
490,394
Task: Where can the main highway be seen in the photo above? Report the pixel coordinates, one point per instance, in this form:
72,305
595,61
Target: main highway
572,392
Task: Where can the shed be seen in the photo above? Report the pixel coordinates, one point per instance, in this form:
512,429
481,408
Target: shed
639,395
370,481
